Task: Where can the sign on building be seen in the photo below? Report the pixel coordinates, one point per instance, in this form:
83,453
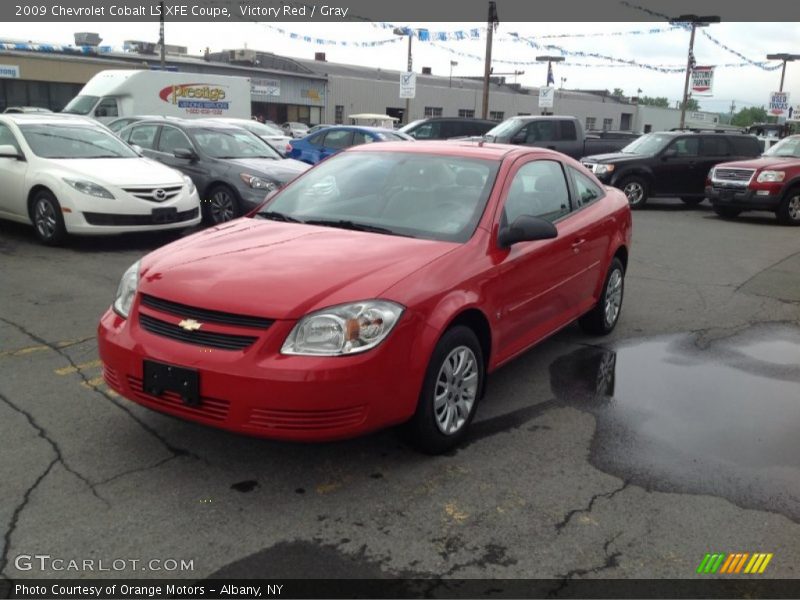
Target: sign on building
702,81
265,87
778,104
408,85
9,71
546,97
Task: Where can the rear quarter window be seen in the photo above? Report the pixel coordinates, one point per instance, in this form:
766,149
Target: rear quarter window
745,146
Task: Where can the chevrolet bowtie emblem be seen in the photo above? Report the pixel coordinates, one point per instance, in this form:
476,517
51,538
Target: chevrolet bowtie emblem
190,325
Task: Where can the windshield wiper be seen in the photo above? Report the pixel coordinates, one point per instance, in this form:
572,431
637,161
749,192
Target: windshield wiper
345,224
278,216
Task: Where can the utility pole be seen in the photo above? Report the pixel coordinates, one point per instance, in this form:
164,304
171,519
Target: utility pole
695,22
785,58
161,35
491,23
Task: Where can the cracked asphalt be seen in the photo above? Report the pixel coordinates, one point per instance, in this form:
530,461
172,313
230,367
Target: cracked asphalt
570,472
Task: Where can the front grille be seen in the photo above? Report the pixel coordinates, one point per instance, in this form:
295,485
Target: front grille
204,315
110,375
113,220
270,419
209,339
733,175
154,194
209,408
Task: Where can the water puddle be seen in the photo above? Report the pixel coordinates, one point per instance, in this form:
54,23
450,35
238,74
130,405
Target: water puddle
722,420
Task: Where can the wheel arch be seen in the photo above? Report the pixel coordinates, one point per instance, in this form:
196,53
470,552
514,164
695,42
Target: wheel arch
35,189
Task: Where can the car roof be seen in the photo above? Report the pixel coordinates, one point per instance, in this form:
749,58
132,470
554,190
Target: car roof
188,123
362,128
51,118
459,148
459,119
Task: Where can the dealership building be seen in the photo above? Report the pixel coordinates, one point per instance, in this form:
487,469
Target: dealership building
313,90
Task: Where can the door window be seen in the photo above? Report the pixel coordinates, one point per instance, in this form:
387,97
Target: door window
568,132
715,146
106,108
427,131
338,139
538,189
686,146
171,139
359,137
143,135
586,190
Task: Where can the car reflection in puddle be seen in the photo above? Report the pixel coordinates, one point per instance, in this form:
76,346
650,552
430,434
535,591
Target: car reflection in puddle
676,417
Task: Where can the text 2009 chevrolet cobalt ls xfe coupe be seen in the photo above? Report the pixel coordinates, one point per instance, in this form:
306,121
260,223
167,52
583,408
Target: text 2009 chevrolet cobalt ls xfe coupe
378,288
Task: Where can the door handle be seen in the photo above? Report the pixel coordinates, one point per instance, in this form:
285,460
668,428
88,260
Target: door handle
578,243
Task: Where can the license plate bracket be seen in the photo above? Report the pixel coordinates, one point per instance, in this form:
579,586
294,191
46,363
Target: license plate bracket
159,378
165,214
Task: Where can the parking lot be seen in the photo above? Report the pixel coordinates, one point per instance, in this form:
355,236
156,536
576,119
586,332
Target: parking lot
629,456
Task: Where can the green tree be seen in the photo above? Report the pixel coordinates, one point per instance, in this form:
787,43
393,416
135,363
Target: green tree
692,105
661,101
618,92
748,116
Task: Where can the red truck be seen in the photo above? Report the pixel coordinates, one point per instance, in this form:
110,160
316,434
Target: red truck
770,182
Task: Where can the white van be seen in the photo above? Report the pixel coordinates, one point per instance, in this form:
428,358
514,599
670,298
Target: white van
121,93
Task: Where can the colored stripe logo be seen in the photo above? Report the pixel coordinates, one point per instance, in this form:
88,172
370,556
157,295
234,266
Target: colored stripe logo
734,564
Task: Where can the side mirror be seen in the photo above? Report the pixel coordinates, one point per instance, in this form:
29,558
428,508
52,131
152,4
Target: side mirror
9,151
669,153
186,153
526,228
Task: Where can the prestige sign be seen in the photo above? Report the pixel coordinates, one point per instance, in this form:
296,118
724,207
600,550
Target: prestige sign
702,81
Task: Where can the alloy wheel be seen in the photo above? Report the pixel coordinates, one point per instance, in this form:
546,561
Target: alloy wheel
222,206
456,390
45,218
634,191
613,300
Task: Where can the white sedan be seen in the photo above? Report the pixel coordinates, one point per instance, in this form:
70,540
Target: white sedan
68,175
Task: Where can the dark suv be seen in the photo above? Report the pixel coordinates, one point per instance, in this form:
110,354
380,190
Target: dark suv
670,163
444,128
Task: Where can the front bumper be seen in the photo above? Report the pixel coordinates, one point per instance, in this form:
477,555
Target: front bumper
744,198
259,392
86,215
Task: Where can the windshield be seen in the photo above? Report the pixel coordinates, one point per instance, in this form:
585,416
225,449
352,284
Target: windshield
418,195
505,128
648,144
81,105
789,147
232,143
74,141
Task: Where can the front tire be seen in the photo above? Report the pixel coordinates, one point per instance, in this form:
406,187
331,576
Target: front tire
636,190
789,209
48,222
222,205
450,392
602,319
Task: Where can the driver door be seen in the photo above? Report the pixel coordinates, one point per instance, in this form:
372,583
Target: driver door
677,167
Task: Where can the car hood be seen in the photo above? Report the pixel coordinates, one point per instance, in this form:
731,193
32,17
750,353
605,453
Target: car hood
613,157
120,171
278,170
764,162
282,270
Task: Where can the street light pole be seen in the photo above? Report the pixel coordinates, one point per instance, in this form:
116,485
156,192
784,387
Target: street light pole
785,58
453,63
550,60
695,22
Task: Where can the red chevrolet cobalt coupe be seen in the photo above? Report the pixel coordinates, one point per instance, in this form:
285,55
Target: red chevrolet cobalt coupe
376,289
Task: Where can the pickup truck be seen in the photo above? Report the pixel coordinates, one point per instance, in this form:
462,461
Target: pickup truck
770,182
563,134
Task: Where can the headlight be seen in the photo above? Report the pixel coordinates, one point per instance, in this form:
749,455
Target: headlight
126,291
189,184
343,329
603,169
770,176
258,183
87,187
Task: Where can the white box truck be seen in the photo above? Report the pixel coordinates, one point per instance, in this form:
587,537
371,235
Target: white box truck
127,92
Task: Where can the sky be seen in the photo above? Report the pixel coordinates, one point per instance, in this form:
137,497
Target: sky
744,86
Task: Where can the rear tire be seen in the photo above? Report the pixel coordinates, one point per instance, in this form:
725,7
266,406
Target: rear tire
221,206
726,212
789,209
636,190
602,319
691,200
450,392
48,222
